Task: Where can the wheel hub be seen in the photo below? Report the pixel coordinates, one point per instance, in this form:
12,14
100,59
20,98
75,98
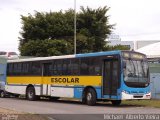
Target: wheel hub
89,96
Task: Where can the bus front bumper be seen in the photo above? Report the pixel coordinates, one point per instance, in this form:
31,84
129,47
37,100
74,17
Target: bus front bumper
126,96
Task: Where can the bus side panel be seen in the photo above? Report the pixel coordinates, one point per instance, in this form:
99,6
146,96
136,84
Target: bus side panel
20,89
62,91
78,92
16,89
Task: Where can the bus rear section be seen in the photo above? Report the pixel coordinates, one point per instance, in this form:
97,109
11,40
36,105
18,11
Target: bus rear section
3,66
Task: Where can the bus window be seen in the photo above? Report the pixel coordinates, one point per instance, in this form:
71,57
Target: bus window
25,68
94,66
47,69
10,69
57,67
75,66
35,68
84,66
66,67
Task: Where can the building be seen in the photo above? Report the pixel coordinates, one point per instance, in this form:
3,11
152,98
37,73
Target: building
152,50
155,79
142,43
153,54
133,45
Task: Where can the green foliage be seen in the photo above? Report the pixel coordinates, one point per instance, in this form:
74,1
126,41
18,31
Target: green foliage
45,48
47,34
117,47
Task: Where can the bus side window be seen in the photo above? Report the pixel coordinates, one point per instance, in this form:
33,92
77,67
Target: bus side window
25,68
75,66
54,68
19,66
47,71
65,67
84,66
10,69
35,68
15,68
57,67
94,66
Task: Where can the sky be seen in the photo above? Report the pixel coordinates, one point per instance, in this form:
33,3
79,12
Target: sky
134,19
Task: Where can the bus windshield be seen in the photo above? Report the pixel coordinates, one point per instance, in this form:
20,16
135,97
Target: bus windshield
136,72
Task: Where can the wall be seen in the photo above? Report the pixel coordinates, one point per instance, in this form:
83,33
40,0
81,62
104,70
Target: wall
155,80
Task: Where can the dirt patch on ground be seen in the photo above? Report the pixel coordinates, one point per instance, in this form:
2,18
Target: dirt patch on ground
6,114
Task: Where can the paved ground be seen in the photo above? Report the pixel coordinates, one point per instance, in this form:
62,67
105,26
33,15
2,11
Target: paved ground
55,110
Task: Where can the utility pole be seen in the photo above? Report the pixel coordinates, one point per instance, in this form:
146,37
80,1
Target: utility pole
75,26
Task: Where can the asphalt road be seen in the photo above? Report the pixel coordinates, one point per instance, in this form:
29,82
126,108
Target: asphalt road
66,110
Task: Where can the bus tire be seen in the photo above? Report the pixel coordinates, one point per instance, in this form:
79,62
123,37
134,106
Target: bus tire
54,98
30,94
116,102
91,97
2,94
84,98
16,95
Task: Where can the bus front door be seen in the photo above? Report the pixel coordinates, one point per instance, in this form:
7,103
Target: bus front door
45,86
111,77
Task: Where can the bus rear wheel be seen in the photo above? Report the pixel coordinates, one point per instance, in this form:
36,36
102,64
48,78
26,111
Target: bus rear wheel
30,94
2,94
54,98
91,97
116,102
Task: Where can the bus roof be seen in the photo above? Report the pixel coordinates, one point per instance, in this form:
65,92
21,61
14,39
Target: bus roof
67,56
41,58
99,53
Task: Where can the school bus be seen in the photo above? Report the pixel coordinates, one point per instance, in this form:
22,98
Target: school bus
112,75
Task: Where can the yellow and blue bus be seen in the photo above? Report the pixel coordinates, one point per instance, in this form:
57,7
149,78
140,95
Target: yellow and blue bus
90,77
3,66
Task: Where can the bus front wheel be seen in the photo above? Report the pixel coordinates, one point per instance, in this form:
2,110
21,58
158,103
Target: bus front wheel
116,102
30,94
91,97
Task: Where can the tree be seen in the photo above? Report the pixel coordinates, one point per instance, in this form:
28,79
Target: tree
50,47
95,25
117,47
47,34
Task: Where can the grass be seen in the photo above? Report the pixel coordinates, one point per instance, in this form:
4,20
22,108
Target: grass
144,103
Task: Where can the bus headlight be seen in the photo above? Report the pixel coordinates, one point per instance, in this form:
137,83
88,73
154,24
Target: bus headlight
127,92
148,95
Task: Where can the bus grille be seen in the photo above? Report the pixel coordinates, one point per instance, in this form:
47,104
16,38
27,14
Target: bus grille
138,96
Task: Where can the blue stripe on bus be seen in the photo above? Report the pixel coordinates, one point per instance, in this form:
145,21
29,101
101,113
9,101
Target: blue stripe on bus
98,53
78,91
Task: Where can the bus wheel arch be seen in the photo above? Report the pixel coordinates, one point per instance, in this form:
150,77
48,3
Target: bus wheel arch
30,93
89,96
